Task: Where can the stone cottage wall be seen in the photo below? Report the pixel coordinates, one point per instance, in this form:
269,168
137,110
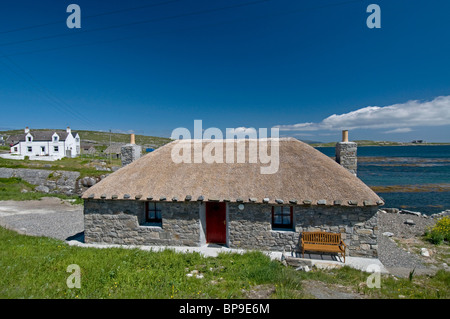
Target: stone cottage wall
123,222
251,228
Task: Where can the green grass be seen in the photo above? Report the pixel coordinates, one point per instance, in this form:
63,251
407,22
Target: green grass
36,267
17,189
84,164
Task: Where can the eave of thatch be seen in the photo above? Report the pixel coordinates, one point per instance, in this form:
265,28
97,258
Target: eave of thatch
305,176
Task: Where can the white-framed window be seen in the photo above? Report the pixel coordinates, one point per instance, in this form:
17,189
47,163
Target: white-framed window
30,149
29,138
56,148
55,138
15,149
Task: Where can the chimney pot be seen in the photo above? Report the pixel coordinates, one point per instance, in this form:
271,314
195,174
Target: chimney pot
345,136
133,139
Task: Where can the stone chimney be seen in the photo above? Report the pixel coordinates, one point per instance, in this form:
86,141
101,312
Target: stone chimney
130,152
27,130
346,153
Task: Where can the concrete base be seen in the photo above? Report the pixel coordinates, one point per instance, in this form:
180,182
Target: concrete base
321,262
360,263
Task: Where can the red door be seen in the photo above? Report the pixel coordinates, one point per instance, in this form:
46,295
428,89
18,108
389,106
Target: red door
216,223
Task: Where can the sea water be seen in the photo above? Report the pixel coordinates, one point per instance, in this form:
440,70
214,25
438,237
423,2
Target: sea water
411,177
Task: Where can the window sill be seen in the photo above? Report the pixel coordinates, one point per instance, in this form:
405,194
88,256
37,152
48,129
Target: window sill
288,230
151,225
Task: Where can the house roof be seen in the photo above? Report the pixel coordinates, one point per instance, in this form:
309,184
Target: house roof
43,136
114,148
305,176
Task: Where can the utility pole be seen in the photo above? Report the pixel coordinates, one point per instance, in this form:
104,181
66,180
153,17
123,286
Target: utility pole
110,147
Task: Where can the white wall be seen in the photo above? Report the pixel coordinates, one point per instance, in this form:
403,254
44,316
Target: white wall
49,147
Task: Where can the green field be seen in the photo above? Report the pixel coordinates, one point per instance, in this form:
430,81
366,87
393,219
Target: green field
36,267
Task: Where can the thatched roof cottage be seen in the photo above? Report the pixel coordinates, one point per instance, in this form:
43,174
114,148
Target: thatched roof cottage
158,201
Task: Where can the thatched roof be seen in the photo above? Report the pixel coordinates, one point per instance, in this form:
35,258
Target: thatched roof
114,148
304,176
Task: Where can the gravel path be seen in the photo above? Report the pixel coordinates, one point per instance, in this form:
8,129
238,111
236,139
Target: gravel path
396,260
50,217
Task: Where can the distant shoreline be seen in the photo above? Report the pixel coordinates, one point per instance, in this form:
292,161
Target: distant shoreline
332,144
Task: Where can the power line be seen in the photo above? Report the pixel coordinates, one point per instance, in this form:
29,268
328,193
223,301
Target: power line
137,22
91,16
54,101
184,29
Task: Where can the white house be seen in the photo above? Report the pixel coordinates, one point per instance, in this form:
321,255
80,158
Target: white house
47,144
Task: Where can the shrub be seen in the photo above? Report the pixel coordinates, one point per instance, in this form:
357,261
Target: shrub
440,231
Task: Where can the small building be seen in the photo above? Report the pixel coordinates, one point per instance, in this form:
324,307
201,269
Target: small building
115,150
55,144
158,201
88,149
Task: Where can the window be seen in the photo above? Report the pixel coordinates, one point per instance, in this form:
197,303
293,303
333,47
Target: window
29,138
55,138
15,149
56,148
282,216
29,149
153,213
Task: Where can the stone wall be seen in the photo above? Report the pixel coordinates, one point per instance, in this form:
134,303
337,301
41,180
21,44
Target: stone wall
48,181
251,228
130,153
123,222
346,155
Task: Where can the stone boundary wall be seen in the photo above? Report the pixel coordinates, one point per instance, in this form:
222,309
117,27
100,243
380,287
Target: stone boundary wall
122,222
47,180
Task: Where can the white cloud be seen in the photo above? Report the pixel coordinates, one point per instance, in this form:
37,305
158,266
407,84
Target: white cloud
405,115
399,130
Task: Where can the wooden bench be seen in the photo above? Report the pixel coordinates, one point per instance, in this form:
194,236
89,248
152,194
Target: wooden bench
323,242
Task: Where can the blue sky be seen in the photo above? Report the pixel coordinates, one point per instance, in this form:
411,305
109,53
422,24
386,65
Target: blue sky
311,68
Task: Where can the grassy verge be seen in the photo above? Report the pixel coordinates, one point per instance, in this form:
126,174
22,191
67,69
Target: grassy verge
36,267
85,164
17,189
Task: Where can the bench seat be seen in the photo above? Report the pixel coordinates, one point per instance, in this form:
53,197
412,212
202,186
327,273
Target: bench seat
324,248
323,242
